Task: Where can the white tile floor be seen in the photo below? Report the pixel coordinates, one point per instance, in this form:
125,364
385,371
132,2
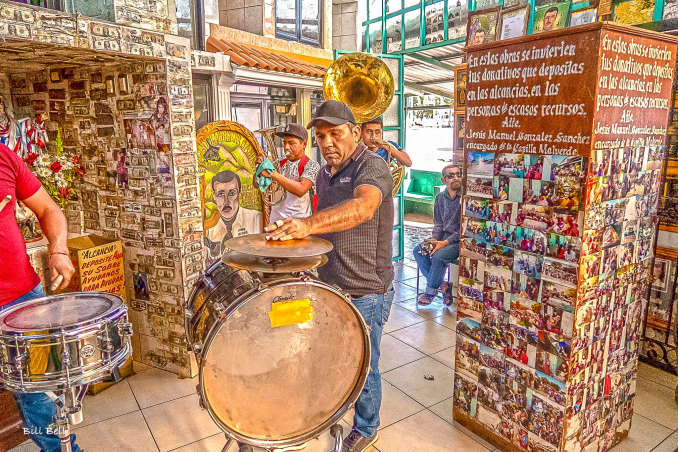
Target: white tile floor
154,411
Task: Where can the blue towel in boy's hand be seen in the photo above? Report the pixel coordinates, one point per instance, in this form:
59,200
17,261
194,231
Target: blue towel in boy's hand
262,181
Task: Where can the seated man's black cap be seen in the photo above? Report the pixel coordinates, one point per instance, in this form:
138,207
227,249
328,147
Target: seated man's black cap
334,112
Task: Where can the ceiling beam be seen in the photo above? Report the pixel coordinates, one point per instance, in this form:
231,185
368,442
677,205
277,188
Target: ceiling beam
432,61
435,82
426,89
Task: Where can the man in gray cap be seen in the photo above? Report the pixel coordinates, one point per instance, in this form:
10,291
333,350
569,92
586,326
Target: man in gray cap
297,175
355,213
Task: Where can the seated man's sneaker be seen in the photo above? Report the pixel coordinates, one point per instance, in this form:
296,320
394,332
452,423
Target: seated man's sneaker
355,442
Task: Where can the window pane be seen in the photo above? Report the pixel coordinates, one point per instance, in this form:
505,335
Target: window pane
363,44
457,17
394,34
201,104
309,10
393,6
375,9
434,23
285,14
375,38
310,22
412,29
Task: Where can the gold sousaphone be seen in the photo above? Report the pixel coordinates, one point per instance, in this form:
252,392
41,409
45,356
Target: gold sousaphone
364,83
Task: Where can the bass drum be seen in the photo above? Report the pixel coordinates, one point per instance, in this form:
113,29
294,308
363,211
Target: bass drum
275,386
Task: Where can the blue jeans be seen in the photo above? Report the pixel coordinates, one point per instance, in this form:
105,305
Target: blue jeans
375,309
37,410
434,267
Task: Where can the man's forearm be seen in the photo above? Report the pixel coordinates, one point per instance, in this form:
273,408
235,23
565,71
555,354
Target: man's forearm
401,156
55,228
296,188
344,216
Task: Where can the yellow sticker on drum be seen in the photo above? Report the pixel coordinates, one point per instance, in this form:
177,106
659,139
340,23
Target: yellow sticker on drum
292,312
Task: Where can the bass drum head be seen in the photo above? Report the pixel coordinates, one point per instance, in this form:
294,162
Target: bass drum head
288,383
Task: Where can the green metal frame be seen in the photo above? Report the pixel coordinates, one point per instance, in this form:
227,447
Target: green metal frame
400,95
421,7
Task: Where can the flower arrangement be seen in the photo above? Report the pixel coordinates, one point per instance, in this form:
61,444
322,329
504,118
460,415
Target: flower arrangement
57,172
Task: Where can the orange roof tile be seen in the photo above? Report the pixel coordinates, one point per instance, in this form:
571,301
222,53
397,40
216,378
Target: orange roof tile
243,55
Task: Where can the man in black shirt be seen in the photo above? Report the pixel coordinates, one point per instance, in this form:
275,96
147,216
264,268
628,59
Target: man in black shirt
355,213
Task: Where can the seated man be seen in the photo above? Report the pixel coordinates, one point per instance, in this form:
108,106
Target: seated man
298,175
445,241
371,133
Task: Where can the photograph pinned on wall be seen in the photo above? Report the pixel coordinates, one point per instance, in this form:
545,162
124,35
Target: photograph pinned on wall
482,26
498,233
559,272
490,357
474,228
558,322
435,26
567,223
514,22
465,394
534,217
553,365
473,249
590,266
480,164
563,247
566,193
469,328
496,298
557,295
599,164
625,254
550,388
633,13
551,17
502,212
500,256
520,372
470,308
592,242
490,387
517,189
528,264
467,355
495,319
457,18
636,183
595,216
583,16
615,211
529,240
525,287
479,186
566,166
511,165
459,121
611,236
140,281
501,187
460,84
537,192
477,207
498,278
471,268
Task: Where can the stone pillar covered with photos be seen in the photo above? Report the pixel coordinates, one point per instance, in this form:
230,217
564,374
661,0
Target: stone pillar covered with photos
564,141
116,108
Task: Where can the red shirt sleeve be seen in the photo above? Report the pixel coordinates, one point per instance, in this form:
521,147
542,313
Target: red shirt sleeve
27,184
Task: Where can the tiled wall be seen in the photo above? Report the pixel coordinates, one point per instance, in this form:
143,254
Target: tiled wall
244,15
345,25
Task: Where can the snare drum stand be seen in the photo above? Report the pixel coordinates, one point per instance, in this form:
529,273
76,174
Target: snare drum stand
69,412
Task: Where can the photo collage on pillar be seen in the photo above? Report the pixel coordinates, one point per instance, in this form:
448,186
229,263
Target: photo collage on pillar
553,251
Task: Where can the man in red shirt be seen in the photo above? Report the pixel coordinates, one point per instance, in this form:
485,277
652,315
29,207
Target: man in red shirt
18,280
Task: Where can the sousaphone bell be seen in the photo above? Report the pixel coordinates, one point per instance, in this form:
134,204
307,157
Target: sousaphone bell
364,83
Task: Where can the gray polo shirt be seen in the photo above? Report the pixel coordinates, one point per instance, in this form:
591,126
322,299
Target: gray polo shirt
360,262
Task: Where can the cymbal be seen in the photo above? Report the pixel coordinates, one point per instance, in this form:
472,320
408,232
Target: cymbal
257,245
272,264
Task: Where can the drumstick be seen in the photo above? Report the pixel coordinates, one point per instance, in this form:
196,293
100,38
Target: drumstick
57,282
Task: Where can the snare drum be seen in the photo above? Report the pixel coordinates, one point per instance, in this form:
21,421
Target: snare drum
63,341
275,386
